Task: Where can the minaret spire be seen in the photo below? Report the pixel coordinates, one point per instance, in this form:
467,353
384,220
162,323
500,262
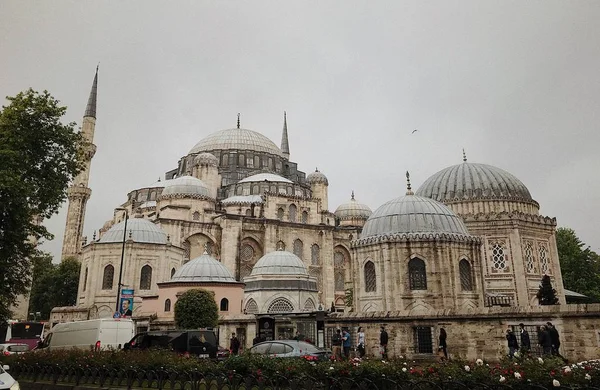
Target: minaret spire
238,122
285,146
408,187
90,110
464,156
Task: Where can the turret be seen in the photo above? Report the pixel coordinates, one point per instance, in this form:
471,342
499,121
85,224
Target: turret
206,169
320,187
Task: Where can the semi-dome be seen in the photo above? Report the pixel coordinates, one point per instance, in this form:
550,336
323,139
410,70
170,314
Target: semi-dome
157,184
471,181
205,269
353,209
279,263
413,215
262,177
236,139
317,177
206,159
185,185
138,230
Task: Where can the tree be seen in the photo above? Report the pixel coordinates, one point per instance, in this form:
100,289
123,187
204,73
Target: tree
195,309
580,266
39,156
40,298
546,294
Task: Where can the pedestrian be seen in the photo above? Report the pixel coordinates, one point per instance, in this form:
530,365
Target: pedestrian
336,344
442,346
234,344
360,341
256,340
346,343
525,341
383,343
513,344
554,338
544,340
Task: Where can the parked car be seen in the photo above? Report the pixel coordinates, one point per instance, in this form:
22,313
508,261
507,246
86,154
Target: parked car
98,334
200,343
7,382
289,348
13,348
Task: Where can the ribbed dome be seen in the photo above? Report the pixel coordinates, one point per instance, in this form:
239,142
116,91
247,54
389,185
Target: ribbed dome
157,184
279,263
236,139
353,209
185,185
262,177
317,177
469,181
141,230
203,269
413,214
206,159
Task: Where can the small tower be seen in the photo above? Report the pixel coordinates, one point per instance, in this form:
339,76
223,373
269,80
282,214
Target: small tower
320,187
285,146
79,193
206,169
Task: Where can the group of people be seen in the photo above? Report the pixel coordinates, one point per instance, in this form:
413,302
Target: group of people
341,343
548,339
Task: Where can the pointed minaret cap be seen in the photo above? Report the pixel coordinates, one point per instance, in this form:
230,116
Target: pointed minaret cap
90,110
238,121
464,156
352,197
285,146
408,188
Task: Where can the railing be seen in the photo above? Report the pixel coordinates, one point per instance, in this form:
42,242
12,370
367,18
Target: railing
195,380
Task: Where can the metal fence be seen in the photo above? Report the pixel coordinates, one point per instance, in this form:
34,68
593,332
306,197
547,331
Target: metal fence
40,377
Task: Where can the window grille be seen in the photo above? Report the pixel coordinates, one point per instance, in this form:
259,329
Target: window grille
529,258
315,252
299,248
280,305
304,216
107,277
85,279
251,307
172,272
245,270
209,247
168,305
534,335
543,253
498,257
224,304
247,252
338,259
309,305
466,277
196,216
280,214
186,251
423,339
316,273
340,280
370,277
417,275
292,213
146,278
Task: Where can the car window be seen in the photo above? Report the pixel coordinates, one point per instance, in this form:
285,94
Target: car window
18,348
277,349
288,349
260,348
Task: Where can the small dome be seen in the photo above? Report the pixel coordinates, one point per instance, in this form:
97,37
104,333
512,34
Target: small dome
205,269
412,214
157,184
262,177
206,159
186,185
236,139
353,209
469,181
317,177
279,263
141,230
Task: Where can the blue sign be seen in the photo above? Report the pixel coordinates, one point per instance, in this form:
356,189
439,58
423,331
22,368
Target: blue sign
126,303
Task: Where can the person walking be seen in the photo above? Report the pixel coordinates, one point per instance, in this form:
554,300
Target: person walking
513,344
234,344
544,340
525,341
346,343
383,343
360,342
442,346
554,338
336,344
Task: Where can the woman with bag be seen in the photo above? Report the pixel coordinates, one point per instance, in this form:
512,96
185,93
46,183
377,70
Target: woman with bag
442,347
360,341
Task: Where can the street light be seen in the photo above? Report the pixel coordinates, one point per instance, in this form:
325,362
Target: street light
122,256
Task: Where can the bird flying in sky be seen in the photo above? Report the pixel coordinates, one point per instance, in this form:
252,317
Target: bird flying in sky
414,131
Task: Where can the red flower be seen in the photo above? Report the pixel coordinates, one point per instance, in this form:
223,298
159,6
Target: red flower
552,373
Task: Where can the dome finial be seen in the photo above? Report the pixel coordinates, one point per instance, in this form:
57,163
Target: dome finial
238,121
316,169
408,188
205,248
352,198
464,155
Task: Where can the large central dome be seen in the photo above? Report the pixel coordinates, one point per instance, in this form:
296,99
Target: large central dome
236,139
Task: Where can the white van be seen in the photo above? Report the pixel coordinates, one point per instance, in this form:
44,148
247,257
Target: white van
103,333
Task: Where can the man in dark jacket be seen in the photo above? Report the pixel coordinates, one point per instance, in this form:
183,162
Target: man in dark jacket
554,338
513,344
383,342
234,344
545,341
525,341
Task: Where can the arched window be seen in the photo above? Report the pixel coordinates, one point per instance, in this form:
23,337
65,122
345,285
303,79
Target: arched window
370,277
339,280
172,272
239,190
248,213
466,277
107,277
280,213
544,263
146,278
251,307
196,216
153,195
85,278
256,162
309,305
499,261
339,261
417,276
315,255
292,213
304,217
280,245
529,258
241,161
280,305
224,159
167,305
298,248
224,304
255,190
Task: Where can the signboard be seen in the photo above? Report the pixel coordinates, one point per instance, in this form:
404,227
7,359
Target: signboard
266,328
126,303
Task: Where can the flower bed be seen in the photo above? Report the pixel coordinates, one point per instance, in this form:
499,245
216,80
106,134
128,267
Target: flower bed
516,373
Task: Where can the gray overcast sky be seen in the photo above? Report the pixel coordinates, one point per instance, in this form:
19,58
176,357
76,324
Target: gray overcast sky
514,83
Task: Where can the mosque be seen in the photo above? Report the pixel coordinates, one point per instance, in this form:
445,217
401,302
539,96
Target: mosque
238,217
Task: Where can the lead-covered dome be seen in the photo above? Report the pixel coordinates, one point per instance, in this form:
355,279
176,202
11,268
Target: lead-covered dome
279,263
353,209
265,176
185,185
138,230
471,181
317,177
236,139
205,269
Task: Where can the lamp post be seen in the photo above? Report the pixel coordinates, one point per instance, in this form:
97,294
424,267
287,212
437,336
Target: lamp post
122,256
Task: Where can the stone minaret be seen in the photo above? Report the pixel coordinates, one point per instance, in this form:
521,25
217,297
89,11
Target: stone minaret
79,193
285,146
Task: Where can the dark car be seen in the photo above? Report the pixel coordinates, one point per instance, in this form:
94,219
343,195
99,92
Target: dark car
200,343
289,348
